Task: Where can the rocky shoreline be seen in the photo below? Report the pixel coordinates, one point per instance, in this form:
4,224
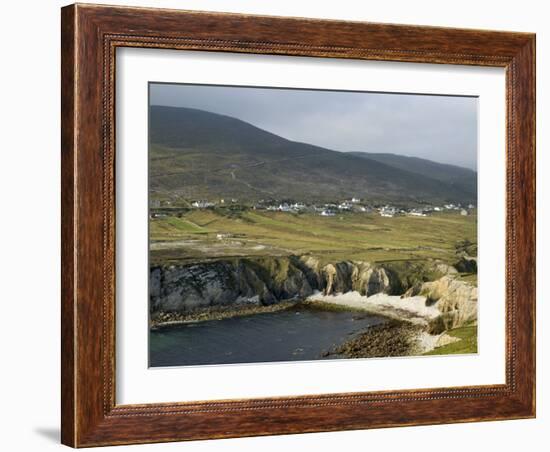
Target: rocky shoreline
163,319
395,337
420,300
390,339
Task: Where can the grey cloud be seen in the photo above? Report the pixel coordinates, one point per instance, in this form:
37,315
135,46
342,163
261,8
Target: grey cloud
439,128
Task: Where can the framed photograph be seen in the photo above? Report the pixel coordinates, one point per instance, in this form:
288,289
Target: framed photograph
281,225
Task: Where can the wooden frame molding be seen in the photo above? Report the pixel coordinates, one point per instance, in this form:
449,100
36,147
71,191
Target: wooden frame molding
90,36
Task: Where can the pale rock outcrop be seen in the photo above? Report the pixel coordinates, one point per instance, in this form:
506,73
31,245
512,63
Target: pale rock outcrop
455,299
446,339
329,274
446,269
358,276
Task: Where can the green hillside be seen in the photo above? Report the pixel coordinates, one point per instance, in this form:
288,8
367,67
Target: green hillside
462,178
196,154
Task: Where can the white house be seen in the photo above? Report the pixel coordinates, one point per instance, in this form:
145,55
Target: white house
202,204
388,211
344,206
298,206
284,208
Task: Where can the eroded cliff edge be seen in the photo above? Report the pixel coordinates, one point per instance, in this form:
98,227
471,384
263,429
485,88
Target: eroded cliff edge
243,283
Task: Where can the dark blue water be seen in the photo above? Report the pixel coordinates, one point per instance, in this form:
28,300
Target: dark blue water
292,335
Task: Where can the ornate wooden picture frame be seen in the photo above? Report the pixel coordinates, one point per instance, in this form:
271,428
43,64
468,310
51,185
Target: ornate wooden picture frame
90,37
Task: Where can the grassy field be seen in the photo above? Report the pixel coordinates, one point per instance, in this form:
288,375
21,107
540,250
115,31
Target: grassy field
467,344
215,233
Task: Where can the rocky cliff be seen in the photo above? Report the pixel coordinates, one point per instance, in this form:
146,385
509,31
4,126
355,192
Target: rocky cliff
232,281
247,281
456,300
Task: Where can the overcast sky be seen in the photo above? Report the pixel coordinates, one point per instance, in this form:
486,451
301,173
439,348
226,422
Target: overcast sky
439,128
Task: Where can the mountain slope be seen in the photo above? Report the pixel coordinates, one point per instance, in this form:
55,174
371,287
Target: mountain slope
201,155
462,178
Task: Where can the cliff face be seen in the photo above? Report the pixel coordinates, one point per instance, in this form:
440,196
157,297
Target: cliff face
260,281
243,281
456,300
225,282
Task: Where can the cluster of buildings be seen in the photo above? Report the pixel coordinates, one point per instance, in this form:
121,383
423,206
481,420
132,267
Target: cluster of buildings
202,204
284,207
325,210
391,211
347,205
